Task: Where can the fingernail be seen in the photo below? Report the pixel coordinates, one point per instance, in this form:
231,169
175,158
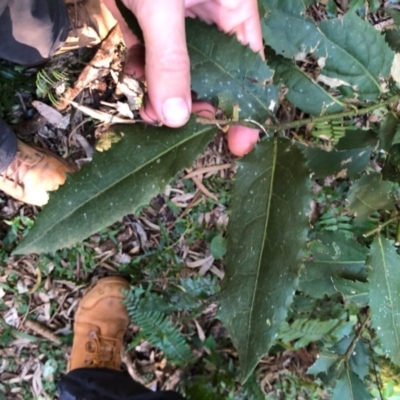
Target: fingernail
175,111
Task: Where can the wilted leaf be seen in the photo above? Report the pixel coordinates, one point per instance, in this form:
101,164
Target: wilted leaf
334,256
369,194
226,73
107,139
357,139
355,53
266,231
388,130
350,387
395,70
303,92
350,51
384,295
346,162
115,183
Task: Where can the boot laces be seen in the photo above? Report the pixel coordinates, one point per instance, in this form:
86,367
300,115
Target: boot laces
102,351
19,167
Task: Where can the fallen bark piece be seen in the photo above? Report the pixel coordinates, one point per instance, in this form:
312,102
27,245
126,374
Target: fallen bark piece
96,69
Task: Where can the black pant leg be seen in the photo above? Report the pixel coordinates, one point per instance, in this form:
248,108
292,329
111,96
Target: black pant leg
106,384
8,145
32,30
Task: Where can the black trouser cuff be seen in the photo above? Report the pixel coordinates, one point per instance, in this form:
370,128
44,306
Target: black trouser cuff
106,384
8,145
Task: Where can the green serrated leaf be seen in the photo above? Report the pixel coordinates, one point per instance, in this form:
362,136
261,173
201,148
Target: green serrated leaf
395,14
384,295
303,92
342,347
369,194
324,362
392,37
267,229
252,389
352,291
226,73
286,29
344,162
359,360
350,387
115,184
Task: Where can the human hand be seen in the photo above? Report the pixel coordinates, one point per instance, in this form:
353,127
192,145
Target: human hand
167,67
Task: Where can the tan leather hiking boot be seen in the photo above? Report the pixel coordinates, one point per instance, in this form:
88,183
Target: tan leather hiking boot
33,173
90,22
100,324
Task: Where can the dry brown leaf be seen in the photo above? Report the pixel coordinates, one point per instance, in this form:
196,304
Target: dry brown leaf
203,189
199,263
204,170
102,116
42,330
53,116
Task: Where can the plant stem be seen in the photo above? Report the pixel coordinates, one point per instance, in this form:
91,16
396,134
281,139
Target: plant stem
357,336
379,227
302,122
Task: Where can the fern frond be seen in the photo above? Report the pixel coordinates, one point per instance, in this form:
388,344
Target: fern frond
46,83
333,221
330,130
158,330
201,286
305,331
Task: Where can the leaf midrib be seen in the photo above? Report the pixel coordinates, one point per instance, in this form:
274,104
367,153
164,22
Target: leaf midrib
349,382
132,172
388,288
267,213
338,262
